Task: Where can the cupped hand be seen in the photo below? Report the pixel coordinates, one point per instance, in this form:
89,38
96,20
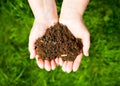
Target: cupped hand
38,30
45,14
79,30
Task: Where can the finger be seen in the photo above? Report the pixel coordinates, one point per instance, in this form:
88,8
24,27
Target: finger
86,45
53,64
69,66
47,65
77,61
64,66
57,61
40,62
60,61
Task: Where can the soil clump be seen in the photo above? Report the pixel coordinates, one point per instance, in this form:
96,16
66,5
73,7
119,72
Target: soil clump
58,41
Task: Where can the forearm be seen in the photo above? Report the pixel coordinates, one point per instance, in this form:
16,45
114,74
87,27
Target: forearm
43,9
73,8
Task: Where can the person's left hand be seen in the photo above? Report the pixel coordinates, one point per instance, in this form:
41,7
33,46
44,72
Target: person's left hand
38,30
45,14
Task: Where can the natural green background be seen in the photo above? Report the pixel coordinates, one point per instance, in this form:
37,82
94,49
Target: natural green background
101,68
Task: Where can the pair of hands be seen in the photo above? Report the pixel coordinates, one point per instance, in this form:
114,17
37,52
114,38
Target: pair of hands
77,28
75,25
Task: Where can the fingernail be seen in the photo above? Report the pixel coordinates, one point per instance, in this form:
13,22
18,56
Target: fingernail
53,68
68,71
74,70
60,64
40,66
87,54
63,69
31,56
48,69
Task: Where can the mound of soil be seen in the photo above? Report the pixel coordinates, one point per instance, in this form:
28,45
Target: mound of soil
58,41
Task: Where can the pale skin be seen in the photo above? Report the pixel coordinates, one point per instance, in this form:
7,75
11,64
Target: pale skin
45,14
71,15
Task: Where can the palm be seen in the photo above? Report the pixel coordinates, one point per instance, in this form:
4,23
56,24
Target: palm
38,30
79,30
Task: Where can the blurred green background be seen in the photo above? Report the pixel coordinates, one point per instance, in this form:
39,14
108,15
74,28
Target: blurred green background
101,68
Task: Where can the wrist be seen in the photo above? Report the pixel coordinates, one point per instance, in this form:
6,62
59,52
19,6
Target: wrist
44,10
45,21
70,16
74,7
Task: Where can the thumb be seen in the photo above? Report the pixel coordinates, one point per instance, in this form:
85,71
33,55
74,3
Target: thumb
31,50
86,45
32,54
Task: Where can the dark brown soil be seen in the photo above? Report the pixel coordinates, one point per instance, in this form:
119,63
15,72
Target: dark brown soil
58,41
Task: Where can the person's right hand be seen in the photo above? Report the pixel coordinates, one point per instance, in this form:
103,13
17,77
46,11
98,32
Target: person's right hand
75,24
71,15
79,30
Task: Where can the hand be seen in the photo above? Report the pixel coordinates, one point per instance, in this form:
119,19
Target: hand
71,15
38,30
45,14
79,30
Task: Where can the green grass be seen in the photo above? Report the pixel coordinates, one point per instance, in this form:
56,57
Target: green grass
101,68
